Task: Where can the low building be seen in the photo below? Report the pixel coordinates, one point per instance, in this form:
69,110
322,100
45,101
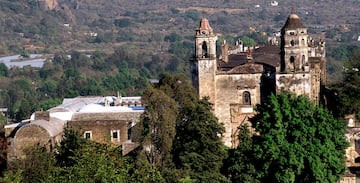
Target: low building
107,120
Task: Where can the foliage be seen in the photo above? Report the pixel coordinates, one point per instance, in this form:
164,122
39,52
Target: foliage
158,126
248,41
21,99
179,134
238,166
123,22
349,88
197,146
3,70
298,141
193,15
70,143
37,166
173,37
47,104
96,163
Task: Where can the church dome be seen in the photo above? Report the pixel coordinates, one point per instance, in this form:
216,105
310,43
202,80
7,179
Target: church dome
293,22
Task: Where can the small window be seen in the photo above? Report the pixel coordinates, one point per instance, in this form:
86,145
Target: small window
246,98
292,62
292,42
292,33
115,135
88,135
204,50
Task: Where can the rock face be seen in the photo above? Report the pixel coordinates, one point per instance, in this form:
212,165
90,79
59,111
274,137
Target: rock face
48,4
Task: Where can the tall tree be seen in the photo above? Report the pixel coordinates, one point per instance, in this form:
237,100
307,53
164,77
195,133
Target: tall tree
349,89
197,146
298,141
157,127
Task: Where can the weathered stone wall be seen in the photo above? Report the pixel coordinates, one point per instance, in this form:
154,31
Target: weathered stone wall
29,136
101,129
298,83
229,91
296,46
206,79
101,125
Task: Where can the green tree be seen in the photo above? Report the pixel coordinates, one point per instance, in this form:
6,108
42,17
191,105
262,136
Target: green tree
193,14
3,70
238,166
248,41
96,163
157,127
349,89
173,37
38,166
197,146
70,143
298,141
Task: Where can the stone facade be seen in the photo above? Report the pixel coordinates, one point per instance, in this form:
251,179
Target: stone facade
240,78
108,128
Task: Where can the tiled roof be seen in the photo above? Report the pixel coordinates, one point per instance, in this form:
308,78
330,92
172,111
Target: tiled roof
269,55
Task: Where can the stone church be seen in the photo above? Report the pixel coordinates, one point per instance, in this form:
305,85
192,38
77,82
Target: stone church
237,78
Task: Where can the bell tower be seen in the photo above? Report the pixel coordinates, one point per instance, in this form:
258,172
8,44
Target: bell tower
294,46
205,64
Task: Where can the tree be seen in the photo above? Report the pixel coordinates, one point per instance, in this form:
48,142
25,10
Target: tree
350,87
248,41
96,163
238,166
157,126
298,141
37,166
173,37
70,143
197,146
3,70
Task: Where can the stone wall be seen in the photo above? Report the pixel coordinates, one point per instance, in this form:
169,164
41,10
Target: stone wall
101,125
298,83
229,90
29,136
101,129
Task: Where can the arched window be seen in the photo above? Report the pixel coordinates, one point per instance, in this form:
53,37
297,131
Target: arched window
292,42
246,98
204,50
303,62
292,62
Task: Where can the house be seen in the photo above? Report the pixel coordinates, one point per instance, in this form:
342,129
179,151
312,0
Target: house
107,120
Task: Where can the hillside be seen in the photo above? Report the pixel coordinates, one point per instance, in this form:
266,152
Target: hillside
68,24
